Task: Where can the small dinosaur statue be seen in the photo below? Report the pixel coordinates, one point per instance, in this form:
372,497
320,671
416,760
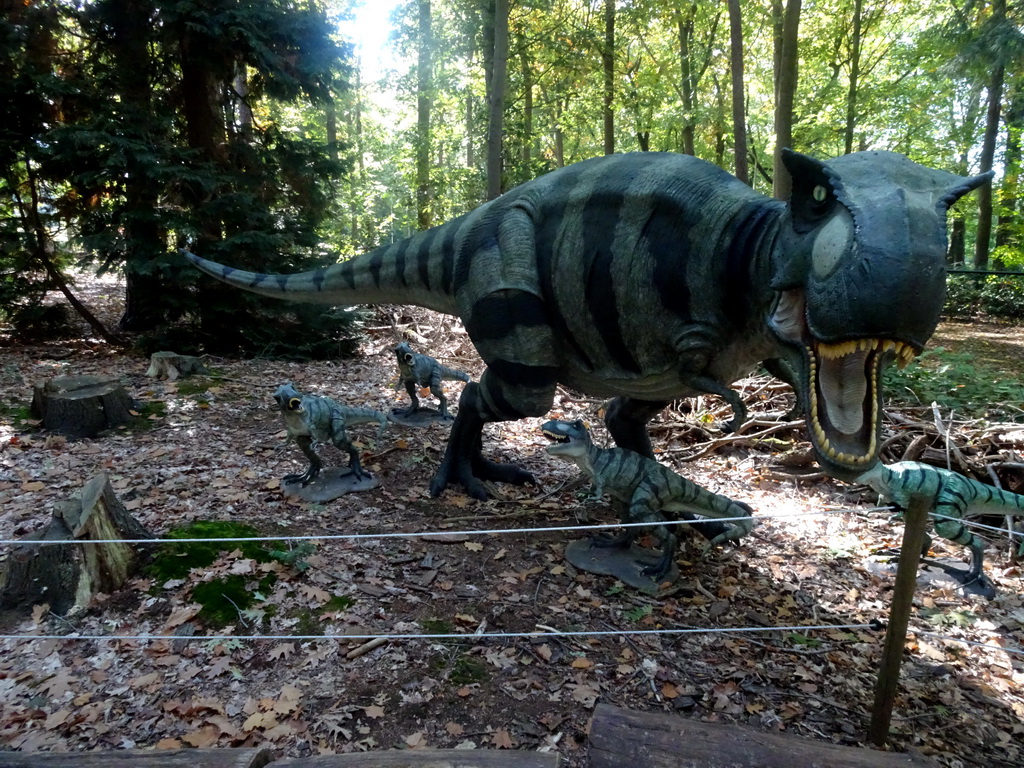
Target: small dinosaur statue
652,276
644,490
416,370
311,419
953,497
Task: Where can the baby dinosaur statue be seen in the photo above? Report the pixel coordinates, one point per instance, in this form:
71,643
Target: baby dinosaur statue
416,370
311,419
644,490
953,497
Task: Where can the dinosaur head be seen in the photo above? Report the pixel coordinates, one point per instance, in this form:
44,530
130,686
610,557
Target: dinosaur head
860,280
404,353
569,439
288,399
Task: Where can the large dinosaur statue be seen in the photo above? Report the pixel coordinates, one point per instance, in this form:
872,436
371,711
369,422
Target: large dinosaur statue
654,276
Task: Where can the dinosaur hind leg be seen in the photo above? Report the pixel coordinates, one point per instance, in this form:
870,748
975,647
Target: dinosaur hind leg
516,392
951,528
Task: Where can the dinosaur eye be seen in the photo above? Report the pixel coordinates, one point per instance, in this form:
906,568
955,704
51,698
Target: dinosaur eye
294,403
820,194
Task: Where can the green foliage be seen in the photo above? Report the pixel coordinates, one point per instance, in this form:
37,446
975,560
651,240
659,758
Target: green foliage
174,561
225,597
466,670
295,557
999,296
437,627
963,296
954,380
639,613
1003,296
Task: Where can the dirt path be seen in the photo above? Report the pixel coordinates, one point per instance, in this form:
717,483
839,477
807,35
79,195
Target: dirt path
1000,345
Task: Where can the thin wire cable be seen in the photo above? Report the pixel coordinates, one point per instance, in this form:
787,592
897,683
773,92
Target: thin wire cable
414,534
546,632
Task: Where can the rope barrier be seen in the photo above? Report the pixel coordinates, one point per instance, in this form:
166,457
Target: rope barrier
415,534
542,632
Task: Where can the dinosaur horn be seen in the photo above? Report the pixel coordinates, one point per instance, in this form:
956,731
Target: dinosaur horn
964,186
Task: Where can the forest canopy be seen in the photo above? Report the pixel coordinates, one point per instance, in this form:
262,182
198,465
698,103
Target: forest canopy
249,132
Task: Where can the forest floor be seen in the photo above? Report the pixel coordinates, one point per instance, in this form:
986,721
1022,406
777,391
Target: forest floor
216,449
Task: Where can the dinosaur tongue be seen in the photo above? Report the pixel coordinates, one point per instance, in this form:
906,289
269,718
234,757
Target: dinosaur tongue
843,388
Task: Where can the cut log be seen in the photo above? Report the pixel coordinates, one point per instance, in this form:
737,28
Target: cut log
172,366
81,406
66,576
620,737
140,758
427,758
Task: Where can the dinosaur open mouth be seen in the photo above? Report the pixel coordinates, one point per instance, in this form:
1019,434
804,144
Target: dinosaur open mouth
843,381
843,396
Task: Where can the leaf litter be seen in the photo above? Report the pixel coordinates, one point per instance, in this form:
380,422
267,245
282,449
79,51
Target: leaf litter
219,454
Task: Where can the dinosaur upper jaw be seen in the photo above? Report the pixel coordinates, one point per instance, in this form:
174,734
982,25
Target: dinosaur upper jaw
564,441
841,382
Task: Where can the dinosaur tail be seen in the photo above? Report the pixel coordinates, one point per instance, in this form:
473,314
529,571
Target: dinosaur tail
418,270
453,375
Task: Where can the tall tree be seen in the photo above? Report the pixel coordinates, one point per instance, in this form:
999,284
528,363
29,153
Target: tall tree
496,98
424,89
851,91
608,67
786,69
739,114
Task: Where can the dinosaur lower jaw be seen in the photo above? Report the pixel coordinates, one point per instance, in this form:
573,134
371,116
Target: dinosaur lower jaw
844,399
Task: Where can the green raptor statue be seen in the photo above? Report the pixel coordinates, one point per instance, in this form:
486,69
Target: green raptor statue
953,497
643,491
311,419
654,276
416,370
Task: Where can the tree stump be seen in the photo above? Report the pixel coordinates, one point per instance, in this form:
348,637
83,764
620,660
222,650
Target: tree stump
172,366
67,575
81,406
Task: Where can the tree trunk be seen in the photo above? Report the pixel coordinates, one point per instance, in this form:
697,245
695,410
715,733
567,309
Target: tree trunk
496,99
424,86
985,160
608,66
684,29
527,75
1008,223
851,93
739,112
145,309
786,67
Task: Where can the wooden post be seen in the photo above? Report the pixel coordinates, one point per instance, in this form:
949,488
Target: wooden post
915,518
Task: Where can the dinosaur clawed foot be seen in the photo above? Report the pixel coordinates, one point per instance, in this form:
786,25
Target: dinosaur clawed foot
304,479
472,475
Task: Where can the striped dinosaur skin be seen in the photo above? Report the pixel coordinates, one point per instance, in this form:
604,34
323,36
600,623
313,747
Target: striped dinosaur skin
653,276
311,419
416,370
644,490
952,496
